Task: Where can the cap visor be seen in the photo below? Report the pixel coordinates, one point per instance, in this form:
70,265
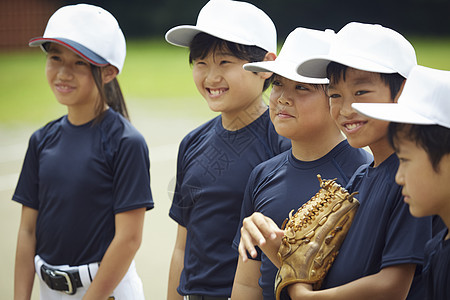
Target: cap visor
283,68
392,112
79,49
183,35
317,67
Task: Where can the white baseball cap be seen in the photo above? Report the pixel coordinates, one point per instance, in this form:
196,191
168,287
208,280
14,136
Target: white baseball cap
89,31
299,45
233,21
425,100
367,47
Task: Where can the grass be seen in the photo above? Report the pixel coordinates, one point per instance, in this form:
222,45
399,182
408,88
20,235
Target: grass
156,74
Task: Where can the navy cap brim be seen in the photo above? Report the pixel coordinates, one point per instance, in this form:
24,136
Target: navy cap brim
79,49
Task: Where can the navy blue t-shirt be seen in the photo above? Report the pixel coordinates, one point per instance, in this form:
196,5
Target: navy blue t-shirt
383,232
436,270
284,183
212,171
78,178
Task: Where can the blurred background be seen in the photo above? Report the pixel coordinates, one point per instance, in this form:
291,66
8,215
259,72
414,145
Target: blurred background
163,102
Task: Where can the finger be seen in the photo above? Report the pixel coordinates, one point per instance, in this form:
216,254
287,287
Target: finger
267,226
253,230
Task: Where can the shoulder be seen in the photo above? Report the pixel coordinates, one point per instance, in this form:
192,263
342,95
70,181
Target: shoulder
268,168
200,134
355,156
115,126
46,132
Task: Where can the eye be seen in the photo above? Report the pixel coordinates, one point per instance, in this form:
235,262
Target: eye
224,62
334,96
81,63
301,87
360,93
276,83
199,63
54,57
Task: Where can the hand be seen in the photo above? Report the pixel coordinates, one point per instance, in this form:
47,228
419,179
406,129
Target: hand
262,231
300,290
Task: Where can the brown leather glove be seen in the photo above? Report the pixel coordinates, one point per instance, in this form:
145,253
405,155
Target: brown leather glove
313,236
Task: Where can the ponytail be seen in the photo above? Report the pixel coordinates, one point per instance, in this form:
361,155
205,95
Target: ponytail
110,94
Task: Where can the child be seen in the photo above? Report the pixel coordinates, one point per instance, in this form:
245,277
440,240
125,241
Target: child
215,159
383,251
300,111
421,138
85,182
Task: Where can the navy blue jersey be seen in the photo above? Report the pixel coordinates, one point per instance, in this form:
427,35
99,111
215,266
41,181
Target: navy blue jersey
284,183
78,178
383,232
212,171
436,270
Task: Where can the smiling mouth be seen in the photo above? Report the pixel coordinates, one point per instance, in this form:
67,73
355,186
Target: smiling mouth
216,92
353,126
63,88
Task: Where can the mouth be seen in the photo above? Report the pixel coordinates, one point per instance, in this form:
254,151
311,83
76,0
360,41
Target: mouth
64,88
284,115
216,92
405,198
352,127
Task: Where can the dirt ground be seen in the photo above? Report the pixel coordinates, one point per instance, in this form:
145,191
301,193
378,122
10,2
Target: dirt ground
163,134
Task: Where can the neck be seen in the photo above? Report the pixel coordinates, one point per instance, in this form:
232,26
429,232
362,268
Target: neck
381,151
79,115
313,148
233,121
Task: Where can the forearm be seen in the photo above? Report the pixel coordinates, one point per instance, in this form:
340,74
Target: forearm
113,268
390,283
176,267
119,255
245,285
24,272
25,252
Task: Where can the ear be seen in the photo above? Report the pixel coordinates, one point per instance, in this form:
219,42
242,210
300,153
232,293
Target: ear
399,91
268,57
109,73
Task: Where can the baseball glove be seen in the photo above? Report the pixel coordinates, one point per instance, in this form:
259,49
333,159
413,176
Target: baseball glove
313,236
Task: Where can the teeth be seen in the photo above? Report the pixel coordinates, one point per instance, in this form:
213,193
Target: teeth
351,126
215,92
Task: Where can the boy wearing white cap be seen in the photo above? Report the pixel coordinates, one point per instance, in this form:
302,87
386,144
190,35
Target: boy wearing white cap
420,134
300,111
382,254
85,182
215,159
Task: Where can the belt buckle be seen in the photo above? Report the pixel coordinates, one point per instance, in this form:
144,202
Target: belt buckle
71,288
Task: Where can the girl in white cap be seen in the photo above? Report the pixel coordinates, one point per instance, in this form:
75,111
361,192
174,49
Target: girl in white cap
215,159
85,183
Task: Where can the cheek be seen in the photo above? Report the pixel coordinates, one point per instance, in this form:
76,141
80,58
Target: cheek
334,110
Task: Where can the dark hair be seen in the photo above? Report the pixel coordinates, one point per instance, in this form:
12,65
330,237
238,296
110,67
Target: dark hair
337,72
434,139
110,94
203,44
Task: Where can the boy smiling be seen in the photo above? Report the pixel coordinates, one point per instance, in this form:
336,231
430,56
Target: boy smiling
420,133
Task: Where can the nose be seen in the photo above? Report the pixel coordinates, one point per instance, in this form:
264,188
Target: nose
213,76
284,100
65,73
345,108
399,178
